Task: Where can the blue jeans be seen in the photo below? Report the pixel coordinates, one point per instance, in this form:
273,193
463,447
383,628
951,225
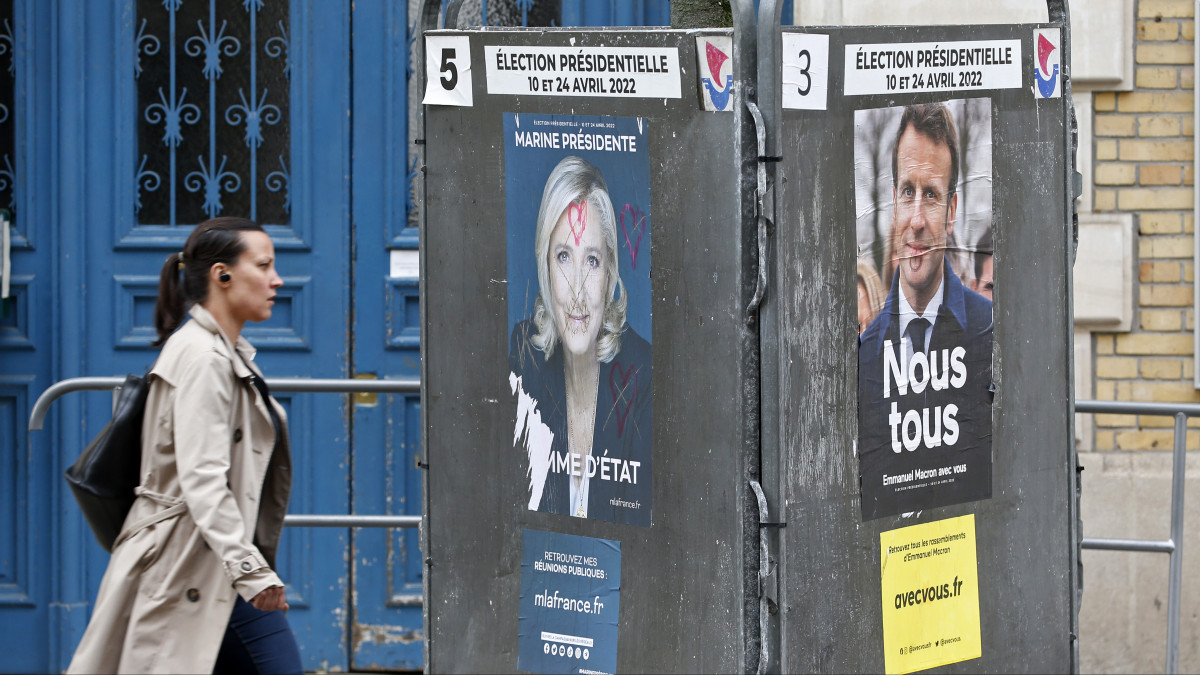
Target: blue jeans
258,643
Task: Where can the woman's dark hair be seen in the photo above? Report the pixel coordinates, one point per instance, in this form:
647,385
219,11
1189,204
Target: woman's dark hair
184,277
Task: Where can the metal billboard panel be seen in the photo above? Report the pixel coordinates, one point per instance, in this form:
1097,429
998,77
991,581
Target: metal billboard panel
1019,485
792,577
681,561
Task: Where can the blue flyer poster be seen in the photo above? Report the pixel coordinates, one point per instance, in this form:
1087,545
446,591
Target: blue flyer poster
570,602
578,220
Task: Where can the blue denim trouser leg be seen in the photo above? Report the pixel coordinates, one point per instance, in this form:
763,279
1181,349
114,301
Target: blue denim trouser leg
258,643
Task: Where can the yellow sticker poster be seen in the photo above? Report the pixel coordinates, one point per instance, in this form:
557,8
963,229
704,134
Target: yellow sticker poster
930,582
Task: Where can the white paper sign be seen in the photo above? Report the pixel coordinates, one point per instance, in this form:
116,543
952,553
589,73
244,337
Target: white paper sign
405,264
932,66
805,71
625,72
5,255
448,70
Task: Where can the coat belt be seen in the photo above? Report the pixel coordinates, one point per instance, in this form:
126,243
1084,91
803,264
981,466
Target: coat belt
175,506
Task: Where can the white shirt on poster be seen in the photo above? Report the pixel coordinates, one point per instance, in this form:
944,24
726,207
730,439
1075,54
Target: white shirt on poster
907,314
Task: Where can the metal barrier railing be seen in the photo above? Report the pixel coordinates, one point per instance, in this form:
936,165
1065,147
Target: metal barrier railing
279,384
1174,545
37,417
314,520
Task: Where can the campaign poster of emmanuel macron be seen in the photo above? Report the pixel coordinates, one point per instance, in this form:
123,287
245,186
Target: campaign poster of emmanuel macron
923,188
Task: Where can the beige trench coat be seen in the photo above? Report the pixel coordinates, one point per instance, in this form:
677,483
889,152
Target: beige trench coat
188,545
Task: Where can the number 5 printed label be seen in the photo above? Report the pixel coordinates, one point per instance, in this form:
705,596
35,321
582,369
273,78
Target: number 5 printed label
805,71
448,70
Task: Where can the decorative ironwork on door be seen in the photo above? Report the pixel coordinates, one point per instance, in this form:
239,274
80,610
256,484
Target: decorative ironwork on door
213,132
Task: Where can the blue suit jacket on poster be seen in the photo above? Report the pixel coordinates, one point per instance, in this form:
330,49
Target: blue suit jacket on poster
964,319
622,429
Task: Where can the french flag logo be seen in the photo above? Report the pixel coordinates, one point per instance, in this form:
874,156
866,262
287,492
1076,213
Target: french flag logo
716,71
1047,63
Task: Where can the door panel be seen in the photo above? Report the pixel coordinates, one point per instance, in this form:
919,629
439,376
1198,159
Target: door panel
26,347
387,630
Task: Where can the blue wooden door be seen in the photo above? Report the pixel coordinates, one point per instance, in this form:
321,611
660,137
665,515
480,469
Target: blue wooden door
233,107
129,122
332,192
387,630
126,122
26,347
169,112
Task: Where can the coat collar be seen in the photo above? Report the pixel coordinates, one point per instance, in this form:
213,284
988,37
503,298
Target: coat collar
243,368
207,321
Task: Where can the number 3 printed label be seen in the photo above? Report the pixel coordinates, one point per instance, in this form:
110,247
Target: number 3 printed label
805,71
448,70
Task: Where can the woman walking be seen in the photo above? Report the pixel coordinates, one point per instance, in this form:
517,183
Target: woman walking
190,587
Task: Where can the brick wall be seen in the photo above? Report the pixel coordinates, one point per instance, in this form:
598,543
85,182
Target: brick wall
1143,166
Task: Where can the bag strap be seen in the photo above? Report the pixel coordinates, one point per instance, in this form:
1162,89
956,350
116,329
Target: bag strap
261,385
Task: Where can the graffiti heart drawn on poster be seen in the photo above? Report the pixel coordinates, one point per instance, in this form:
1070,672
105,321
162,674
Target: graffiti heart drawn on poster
923,187
579,229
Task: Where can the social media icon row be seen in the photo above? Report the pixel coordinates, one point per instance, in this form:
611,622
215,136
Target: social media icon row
569,651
